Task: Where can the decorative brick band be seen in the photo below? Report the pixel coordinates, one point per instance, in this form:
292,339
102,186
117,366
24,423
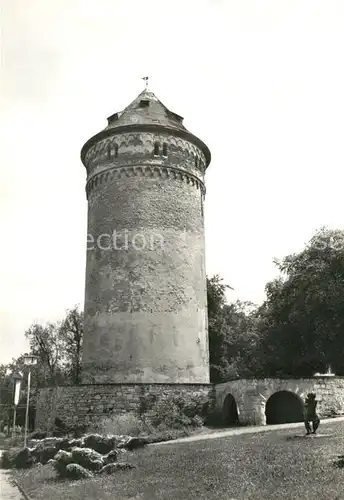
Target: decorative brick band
163,172
139,144
101,145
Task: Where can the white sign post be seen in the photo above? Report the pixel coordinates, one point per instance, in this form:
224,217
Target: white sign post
17,391
17,382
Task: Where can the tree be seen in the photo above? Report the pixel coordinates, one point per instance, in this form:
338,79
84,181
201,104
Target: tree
302,318
217,328
58,347
243,342
16,366
6,395
233,337
71,335
45,343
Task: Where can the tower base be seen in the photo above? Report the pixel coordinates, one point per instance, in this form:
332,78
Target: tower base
89,404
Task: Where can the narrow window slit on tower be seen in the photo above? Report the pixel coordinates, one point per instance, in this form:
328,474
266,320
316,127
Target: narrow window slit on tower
116,150
156,149
164,149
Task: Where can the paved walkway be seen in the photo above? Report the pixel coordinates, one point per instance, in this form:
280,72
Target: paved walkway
8,491
247,430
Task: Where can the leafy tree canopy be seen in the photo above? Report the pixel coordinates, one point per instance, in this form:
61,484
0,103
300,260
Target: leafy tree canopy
303,316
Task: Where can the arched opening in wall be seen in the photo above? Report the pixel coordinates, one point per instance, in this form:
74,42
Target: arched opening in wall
230,411
283,407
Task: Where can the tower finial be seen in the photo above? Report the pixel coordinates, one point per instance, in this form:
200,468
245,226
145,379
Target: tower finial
145,78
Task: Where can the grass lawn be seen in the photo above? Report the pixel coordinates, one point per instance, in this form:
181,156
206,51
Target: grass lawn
280,464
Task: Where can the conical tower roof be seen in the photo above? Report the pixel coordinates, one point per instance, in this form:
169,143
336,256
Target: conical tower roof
146,109
146,112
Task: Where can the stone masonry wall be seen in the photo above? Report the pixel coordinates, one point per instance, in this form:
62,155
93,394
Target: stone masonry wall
87,404
251,396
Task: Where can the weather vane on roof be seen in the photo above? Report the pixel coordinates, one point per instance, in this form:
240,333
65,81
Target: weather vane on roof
145,78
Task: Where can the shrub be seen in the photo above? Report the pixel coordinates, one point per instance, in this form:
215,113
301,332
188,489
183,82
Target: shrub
339,462
176,411
110,457
2,439
132,443
126,424
67,444
18,458
58,433
59,424
77,431
88,458
7,458
43,455
15,442
214,417
198,421
39,435
76,471
147,401
101,444
51,442
157,413
62,459
62,429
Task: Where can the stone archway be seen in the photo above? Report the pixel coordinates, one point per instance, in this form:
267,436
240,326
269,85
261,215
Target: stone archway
283,407
230,411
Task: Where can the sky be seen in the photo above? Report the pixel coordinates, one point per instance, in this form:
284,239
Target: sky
260,82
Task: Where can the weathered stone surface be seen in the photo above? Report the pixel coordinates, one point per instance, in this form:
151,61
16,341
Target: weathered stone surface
61,460
101,444
65,402
76,471
111,457
86,457
43,455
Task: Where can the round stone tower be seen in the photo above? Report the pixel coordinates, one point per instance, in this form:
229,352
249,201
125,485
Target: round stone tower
145,299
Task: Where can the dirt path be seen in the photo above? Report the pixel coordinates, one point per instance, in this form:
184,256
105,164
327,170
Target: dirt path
248,430
8,491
